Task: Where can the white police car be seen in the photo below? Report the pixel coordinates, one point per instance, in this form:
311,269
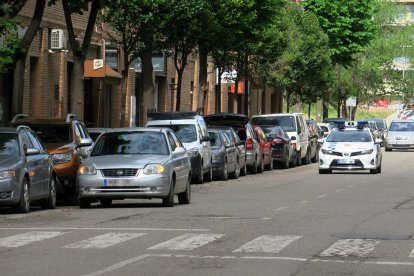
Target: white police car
350,147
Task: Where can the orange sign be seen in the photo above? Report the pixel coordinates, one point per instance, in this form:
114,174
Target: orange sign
240,88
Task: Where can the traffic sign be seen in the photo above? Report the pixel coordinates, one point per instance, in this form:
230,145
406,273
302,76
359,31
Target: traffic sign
351,102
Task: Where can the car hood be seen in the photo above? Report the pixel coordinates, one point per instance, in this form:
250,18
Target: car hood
227,119
7,162
347,146
400,133
125,161
58,147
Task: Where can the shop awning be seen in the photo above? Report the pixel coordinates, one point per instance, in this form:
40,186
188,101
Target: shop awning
96,69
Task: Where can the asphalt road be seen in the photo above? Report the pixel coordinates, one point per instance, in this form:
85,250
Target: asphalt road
283,222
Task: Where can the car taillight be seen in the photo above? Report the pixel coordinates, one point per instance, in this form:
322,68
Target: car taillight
277,141
249,144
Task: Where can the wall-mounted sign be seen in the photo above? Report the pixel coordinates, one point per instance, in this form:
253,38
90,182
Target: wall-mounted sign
98,63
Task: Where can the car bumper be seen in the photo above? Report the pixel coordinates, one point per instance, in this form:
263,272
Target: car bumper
218,168
9,192
278,155
142,186
250,157
361,162
394,145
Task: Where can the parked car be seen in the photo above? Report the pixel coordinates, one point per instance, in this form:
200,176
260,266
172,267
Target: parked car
294,124
265,147
281,145
240,147
135,163
95,132
192,131
224,155
315,133
63,138
382,125
400,135
326,128
26,170
239,122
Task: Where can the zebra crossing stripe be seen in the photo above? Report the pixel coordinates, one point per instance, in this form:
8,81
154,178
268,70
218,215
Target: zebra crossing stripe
350,247
27,238
267,244
412,254
187,242
104,241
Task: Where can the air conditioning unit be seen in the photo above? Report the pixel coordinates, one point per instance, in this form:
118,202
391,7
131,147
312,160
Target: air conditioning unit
57,39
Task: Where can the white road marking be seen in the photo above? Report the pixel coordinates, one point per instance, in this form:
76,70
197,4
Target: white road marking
119,265
412,254
339,190
321,196
187,242
303,202
104,241
274,258
27,238
281,208
351,186
106,229
350,247
268,244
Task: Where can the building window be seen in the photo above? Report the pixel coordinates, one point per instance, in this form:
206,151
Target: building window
111,58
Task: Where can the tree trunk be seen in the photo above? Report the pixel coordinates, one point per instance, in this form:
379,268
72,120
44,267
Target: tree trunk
220,72
338,92
287,101
309,110
202,76
179,82
147,82
325,109
124,89
246,86
77,88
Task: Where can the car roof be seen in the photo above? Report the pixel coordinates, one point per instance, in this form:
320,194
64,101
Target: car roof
41,121
98,129
8,130
402,121
277,114
134,129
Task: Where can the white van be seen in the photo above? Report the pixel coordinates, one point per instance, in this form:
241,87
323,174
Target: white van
295,126
192,131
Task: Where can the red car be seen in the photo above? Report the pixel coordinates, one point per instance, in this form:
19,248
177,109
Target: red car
265,147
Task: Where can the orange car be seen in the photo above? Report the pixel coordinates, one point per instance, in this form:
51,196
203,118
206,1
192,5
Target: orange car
62,137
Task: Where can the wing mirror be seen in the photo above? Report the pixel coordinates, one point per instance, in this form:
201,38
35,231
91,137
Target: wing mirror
179,151
84,152
205,139
85,142
378,141
293,138
32,151
230,146
321,140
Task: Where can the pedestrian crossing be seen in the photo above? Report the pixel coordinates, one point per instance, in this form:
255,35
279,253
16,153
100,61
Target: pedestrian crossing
265,244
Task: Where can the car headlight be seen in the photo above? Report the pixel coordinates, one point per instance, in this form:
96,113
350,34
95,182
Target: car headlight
154,169
367,151
192,152
7,174
60,158
87,169
324,151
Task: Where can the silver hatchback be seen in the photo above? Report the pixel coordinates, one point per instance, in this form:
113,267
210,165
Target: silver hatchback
135,163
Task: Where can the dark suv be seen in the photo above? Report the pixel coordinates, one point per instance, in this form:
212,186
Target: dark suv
63,137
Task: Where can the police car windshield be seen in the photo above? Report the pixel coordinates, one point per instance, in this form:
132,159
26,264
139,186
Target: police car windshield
349,136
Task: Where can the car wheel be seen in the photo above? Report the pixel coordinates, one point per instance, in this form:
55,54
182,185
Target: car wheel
306,159
325,171
253,169
24,204
270,167
243,171
298,159
316,157
379,169
84,203
373,171
236,172
286,163
168,201
260,169
293,159
185,197
50,202
200,177
387,149
208,177
106,202
225,174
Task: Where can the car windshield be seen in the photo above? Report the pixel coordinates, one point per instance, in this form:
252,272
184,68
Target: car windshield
9,144
324,128
94,135
272,131
286,122
53,133
186,133
402,126
143,142
349,136
380,124
214,139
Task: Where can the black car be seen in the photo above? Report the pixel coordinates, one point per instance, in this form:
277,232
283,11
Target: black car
282,148
224,155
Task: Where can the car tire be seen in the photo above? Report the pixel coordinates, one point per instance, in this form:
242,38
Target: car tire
253,169
168,201
387,149
315,159
200,177
236,173
50,202
373,171
306,159
24,204
84,203
185,197
270,166
292,162
325,171
298,159
208,176
105,202
225,175
243,171
379,169
260,169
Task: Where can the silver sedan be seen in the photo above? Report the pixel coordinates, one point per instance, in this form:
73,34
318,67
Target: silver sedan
400,135
135,163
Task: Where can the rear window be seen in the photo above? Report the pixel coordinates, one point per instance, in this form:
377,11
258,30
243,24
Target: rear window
53,133
402,126
214,139
286,122
186,133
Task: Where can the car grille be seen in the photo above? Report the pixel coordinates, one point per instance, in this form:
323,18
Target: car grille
119,172
336,153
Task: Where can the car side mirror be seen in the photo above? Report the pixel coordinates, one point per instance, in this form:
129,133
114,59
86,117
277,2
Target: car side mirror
378,141
293,138
321,140
32,151
205,139
230,146
241,143
84,152
179,151
85,142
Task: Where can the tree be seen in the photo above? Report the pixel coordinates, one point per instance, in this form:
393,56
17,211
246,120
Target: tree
79,49
350,27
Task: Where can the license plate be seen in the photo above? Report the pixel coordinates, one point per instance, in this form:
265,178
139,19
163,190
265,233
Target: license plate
346,161
118,182
401,142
